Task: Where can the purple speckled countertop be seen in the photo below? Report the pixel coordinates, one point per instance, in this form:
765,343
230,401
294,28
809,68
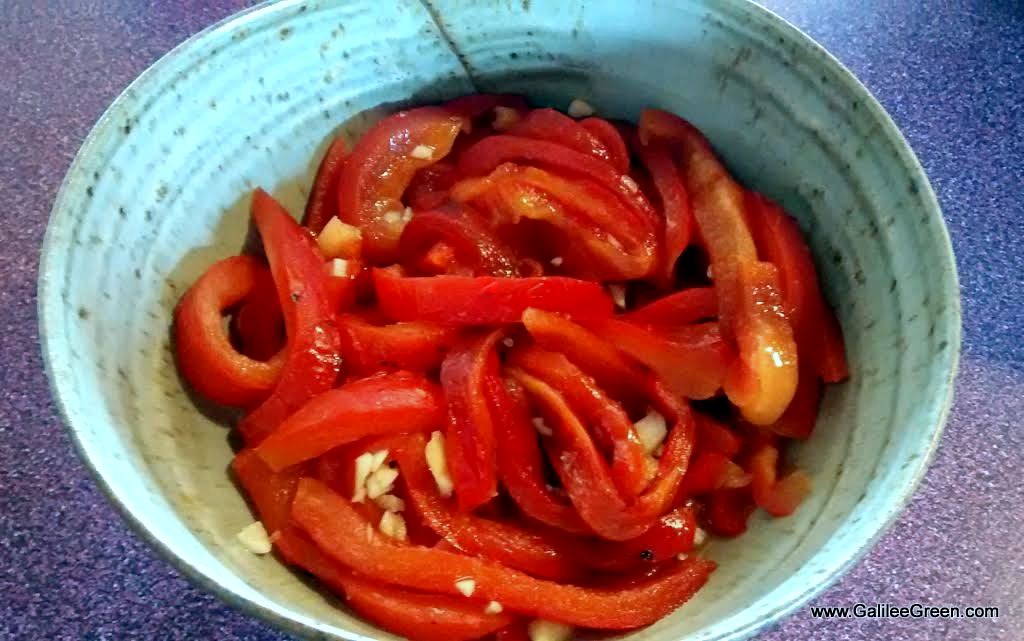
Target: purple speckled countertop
950,73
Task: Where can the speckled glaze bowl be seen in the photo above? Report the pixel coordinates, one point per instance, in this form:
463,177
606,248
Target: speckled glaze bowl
161,187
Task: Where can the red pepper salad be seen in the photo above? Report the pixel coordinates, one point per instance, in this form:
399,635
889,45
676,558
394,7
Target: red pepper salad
512,366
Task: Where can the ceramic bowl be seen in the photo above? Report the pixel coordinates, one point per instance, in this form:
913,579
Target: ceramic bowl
160,190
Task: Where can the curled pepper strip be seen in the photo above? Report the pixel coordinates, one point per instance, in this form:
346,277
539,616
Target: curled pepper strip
675,205
486,155
596,356
609,241
510,545
205,356
554,126
385,404
763,379
520,461
606,132
475,246
470,439
343,534
382,165
323,196
313,360
258,323
611,427
585,474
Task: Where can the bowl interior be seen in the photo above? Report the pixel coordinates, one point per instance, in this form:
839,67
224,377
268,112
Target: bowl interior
161,188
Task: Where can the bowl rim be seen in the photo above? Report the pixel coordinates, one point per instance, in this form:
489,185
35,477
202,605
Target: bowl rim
63,202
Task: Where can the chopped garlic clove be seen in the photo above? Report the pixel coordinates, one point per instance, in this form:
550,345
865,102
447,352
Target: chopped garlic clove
630,184
466,586
393,217
380,482
390,502
437,461
494,607
339,268
557,261
652,430
253,537
504,118
422,152
364,466
393,525
339,240
618,294
544,630
378,459
700,537
541,427
508,342
580,109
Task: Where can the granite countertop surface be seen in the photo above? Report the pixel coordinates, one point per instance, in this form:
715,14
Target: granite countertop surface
950,73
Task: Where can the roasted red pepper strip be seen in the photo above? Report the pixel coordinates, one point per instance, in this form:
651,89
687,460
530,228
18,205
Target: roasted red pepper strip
380,168
414,615
675,205
554,126
598,238
778,497
592,353
618,153
343,534
712,435
470,440
764,378
612,428
780,242
728,510
270,492
463,300
415,346
421,617
693,367
679,308
799,418
313,358
384,404
486,155
460,228
323,196
520,461
206,358
507,544
670,536
429,186
259,324
585,474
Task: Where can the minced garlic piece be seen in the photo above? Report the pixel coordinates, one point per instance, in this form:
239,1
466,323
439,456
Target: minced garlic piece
544,630
618,294
494,608
339,240
541,427
466,586
652,430
254,538
393,525
438,464
390,502
381,481
422,152
580,109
